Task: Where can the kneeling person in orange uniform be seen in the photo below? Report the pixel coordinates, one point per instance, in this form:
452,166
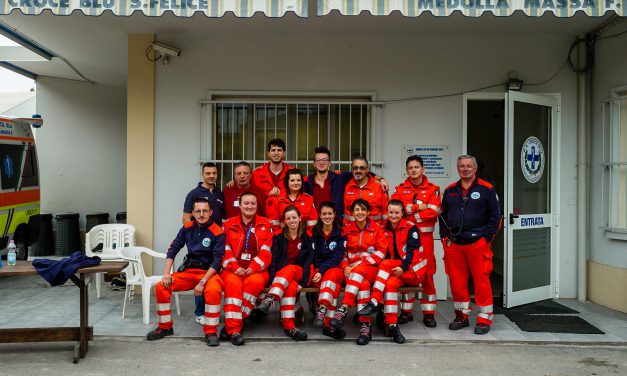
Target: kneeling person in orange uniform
205,243
290,271
405,267
247,257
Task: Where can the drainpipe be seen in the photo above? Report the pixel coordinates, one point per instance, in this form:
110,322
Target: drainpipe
582,175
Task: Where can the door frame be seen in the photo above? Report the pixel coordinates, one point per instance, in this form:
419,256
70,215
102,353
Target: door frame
555,177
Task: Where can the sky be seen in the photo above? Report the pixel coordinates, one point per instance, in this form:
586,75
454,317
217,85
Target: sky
9,81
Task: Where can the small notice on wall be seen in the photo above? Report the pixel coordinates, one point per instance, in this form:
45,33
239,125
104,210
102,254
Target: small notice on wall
437,159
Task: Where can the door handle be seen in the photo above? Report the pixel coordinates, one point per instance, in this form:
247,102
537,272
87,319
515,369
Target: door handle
512,216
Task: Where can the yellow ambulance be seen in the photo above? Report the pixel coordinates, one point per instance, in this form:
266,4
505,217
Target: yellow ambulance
19,184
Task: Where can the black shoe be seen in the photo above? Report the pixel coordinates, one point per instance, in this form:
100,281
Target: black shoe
212,340
319,320
395,332
429,320
296,334
338,320
482,329
159,333
405,317
237,339
224,335
334,333
365,334
266,304
459,322
369,309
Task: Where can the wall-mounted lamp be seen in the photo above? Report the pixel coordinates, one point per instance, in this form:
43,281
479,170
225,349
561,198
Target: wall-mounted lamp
514,84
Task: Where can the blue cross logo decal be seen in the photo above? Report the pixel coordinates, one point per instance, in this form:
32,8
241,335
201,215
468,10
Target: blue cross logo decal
533,158
8,166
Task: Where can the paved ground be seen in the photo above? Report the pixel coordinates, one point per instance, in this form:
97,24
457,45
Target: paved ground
180,356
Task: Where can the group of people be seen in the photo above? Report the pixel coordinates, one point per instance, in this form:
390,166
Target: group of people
274,227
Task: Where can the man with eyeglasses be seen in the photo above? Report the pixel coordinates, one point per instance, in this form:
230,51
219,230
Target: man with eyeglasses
205,241
206,189
364,186
325,185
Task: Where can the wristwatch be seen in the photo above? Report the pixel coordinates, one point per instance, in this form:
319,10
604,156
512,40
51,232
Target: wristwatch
202,282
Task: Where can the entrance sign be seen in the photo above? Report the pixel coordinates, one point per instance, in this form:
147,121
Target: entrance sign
436,158
532,159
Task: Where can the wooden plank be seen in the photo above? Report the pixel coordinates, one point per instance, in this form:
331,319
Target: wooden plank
26,268
43,334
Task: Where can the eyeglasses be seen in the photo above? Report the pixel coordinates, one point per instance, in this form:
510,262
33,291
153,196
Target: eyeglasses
321,160
201,211
359,168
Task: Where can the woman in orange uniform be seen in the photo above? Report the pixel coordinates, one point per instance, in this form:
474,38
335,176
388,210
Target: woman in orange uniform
290,271
292,195
366,247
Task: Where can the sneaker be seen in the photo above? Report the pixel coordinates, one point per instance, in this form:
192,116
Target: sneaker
224,335
334,333
159,333
319,320
429,320
482,329
266,304
369,309
200,320
405,317
338,320
212,340
296,334
459,322
237,339
395,332
365,334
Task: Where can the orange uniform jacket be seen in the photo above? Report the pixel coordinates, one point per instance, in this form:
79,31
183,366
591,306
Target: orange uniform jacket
426,193
263,183
304,203
371,192
407,241
364,247
235,238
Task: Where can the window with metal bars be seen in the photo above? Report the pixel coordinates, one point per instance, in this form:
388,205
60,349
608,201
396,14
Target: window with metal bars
242,129
615,161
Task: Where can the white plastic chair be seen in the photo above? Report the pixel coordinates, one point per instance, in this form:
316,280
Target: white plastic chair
105,241
136,276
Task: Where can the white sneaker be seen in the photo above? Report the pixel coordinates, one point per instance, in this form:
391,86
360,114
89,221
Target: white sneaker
200,320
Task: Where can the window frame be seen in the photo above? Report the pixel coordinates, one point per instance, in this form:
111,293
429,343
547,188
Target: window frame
612,163
207,132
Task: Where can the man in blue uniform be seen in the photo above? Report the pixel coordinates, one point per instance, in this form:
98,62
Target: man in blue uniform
470,220
205,243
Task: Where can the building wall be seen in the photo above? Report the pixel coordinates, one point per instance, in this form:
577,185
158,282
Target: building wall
607,259
82,147
393,66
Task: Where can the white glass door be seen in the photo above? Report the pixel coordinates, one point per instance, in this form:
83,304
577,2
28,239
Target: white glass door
529,221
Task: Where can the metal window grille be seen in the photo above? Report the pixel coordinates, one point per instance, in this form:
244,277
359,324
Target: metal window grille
243,127
614,166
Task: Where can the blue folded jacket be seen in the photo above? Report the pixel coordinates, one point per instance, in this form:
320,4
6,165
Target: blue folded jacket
57,272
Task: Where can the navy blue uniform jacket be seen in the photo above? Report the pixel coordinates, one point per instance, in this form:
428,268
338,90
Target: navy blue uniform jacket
205,244
328,253
476,216
215,198
280,259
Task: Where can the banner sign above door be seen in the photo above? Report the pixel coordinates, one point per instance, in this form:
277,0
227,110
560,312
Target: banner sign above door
472,8
156,8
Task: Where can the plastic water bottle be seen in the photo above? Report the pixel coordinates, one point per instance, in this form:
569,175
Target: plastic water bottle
12,255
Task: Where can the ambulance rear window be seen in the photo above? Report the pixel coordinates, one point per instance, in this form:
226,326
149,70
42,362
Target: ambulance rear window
29,174
12,169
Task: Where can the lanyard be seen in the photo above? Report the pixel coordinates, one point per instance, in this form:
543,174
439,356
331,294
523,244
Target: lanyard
248,231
